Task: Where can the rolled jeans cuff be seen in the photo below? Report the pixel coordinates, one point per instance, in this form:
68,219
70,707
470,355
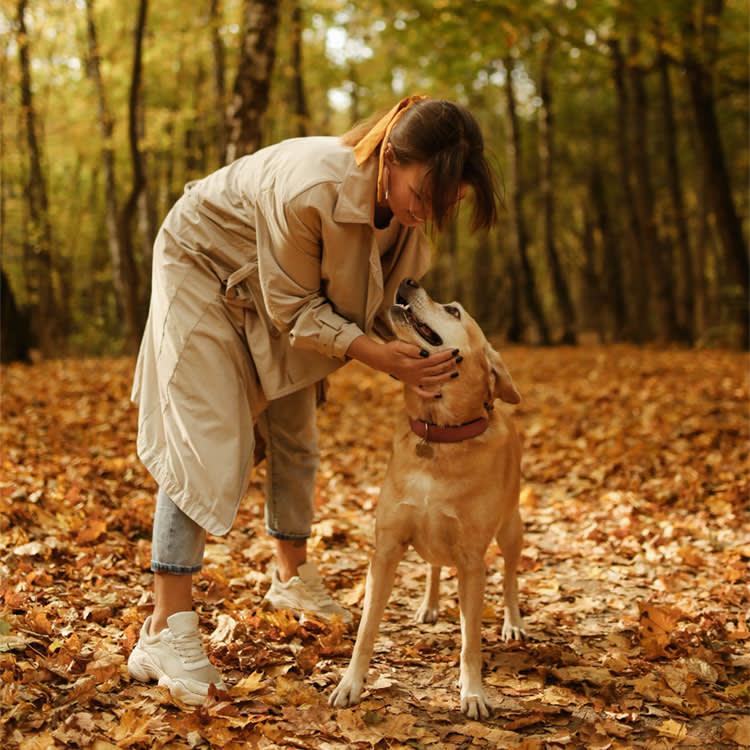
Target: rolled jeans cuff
286,537
176,570
178,542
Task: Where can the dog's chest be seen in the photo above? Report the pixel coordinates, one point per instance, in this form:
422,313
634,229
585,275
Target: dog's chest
439,530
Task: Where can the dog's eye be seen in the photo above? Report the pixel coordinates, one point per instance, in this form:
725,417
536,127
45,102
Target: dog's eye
454,311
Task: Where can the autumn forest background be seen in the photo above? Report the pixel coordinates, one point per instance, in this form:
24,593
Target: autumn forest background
620,129
615,286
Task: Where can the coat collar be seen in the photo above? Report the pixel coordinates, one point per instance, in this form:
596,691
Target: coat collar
356,201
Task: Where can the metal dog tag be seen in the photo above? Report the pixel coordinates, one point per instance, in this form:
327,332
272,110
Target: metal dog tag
424,449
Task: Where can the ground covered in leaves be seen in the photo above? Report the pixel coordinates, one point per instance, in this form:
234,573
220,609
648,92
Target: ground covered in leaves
634,578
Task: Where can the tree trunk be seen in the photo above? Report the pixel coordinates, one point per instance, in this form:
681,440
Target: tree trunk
658,256
483,288
253,82
15,335
699,70
135,311
123,265
686,292
528,280
219,71
511,286
638,318
301,114
703,306
38,247
612,273
546,161
147,219
592,301
3,113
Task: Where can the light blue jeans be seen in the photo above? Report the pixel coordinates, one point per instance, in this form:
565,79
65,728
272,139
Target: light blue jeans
289,428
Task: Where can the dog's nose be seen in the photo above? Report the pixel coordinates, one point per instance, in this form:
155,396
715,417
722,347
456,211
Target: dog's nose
413,284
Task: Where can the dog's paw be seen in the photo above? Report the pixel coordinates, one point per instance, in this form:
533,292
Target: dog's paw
346,693
514,628
427,613
474,704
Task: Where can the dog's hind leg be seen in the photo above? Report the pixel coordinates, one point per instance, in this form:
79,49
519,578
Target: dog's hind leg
377,591
510,540
429,609
471,580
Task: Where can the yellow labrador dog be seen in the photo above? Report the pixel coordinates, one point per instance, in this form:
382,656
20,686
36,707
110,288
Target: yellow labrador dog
452,485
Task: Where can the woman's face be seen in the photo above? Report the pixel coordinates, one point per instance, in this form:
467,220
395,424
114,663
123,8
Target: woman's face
410,191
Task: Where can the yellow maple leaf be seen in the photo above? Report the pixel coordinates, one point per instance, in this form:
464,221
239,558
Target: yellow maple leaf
655,628
251,684
673,729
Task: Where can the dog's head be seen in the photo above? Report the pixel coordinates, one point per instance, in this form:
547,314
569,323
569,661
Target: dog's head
417,319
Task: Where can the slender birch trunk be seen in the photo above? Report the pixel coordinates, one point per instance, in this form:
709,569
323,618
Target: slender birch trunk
253,82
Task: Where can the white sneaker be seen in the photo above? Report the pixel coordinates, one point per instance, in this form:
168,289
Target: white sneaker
304,593
176,658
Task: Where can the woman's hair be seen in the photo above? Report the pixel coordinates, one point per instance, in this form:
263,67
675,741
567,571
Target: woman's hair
446,138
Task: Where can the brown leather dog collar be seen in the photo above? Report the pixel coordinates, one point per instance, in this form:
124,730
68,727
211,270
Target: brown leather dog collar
435,433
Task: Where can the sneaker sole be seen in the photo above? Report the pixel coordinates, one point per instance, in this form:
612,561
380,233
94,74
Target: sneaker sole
143,668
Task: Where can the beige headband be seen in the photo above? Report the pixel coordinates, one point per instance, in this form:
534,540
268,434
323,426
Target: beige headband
379,134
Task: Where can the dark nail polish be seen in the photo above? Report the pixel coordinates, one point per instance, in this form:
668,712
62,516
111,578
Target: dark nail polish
455,352
438,395
423,353
459,359
454,374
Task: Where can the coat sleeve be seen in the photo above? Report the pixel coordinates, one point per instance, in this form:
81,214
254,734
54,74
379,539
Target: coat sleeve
289,266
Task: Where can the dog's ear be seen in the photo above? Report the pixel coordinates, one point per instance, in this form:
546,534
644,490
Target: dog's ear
501,384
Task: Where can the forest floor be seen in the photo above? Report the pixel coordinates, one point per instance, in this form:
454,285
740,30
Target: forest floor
634,577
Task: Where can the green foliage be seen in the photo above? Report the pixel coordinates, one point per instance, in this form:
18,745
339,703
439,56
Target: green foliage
357,58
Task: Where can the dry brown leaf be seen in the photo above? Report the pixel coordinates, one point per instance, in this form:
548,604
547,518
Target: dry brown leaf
629,495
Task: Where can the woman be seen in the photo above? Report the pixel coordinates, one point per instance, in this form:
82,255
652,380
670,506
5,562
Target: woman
268,275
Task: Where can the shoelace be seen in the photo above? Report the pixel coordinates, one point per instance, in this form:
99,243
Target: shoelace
189,648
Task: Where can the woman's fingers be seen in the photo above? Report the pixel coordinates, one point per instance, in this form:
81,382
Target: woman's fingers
440,367
423,371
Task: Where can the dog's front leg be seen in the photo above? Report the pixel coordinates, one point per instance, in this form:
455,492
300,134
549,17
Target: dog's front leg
471,579
377,590
429,610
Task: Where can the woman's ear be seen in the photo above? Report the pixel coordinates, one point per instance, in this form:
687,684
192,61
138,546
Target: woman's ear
389,154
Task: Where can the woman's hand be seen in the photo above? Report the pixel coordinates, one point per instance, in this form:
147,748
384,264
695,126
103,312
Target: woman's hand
418,369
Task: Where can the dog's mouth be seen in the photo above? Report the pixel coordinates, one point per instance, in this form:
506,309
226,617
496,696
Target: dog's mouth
430,336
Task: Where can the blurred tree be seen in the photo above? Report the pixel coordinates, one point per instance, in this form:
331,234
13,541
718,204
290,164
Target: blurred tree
547,190
639,321
219,73
614,144
253,81
16,338
701,31
685,288
119,234
299,98
657,255
530,288
44,306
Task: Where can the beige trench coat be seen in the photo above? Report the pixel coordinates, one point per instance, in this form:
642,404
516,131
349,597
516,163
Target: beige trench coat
264,273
